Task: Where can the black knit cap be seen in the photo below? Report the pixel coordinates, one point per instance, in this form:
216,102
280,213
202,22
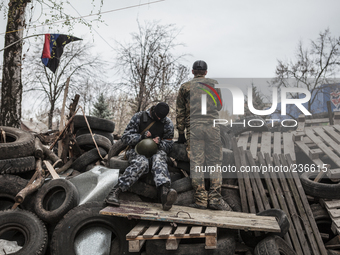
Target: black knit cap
161,109
200,65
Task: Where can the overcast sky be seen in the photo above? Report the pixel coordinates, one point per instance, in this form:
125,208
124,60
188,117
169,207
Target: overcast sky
236,38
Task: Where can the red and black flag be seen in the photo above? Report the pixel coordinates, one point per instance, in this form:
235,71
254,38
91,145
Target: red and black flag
53,49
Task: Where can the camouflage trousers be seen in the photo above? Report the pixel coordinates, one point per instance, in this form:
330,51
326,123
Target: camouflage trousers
139,165
206,155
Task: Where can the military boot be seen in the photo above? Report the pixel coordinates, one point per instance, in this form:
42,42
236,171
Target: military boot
168,196
112,197
222,205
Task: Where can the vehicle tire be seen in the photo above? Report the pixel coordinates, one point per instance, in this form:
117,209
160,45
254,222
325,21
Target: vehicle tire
273,245
225,137
85,142
185,198
84,131
319,189
17,165
250,240
143,189
10,185
184,165
25,228
87,158
116,162
83,217
179,152
55,199
116,148
182,185
94,122
18,144
232,198
226,245
175,176
228,157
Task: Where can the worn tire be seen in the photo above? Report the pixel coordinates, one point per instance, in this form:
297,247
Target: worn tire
175,176
226,245
83,217
232,198
179,152
185,198
182,185
55,199
273,245
117,163
17,165
250,240
87,158
84,131
86,142
10,185
116,148
33,234
18,144
319,189
95,123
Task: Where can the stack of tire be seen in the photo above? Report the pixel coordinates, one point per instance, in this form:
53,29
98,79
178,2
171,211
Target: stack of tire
103,135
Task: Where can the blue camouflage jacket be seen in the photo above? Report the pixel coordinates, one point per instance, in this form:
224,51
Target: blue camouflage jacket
132,136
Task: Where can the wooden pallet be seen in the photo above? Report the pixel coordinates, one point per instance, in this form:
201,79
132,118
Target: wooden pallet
285,192
173,234
267,142
316,142
333,208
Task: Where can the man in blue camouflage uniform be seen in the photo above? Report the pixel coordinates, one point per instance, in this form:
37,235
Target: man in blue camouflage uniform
203,140
162,132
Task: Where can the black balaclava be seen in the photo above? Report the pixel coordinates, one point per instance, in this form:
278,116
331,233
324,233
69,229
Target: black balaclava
161,109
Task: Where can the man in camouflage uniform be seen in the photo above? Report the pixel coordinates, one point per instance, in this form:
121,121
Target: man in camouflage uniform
203,139
162,132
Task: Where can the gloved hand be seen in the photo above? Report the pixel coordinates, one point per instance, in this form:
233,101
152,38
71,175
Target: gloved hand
181,138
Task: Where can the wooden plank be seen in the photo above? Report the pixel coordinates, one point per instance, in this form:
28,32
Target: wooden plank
336,222
172,244
211,242
271,190
301,122
328,140
308,210
247,184
306,150
211,231
334,213
288,145
51,170
242,189
291,206
195,231
253,143
283,205
256,176
331,132
151,231
277,143
165,231
332,204
323,147
266,142
180,231
137,230
136,245
243,140
210,218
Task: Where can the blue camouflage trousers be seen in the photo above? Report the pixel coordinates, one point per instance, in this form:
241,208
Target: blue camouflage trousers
139,165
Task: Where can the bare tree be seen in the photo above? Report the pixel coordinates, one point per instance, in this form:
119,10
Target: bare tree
77,63
311,67
149,69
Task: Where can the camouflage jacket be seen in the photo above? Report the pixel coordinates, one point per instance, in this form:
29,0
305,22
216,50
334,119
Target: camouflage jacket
132,136
189,102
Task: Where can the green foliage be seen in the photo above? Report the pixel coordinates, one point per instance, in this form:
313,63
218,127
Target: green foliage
101,108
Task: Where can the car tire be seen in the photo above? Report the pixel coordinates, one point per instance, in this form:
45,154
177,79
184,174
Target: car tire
94,122
17,165
87,158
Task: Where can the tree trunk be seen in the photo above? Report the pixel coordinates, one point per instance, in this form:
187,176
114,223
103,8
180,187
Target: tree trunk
11,90
50,115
